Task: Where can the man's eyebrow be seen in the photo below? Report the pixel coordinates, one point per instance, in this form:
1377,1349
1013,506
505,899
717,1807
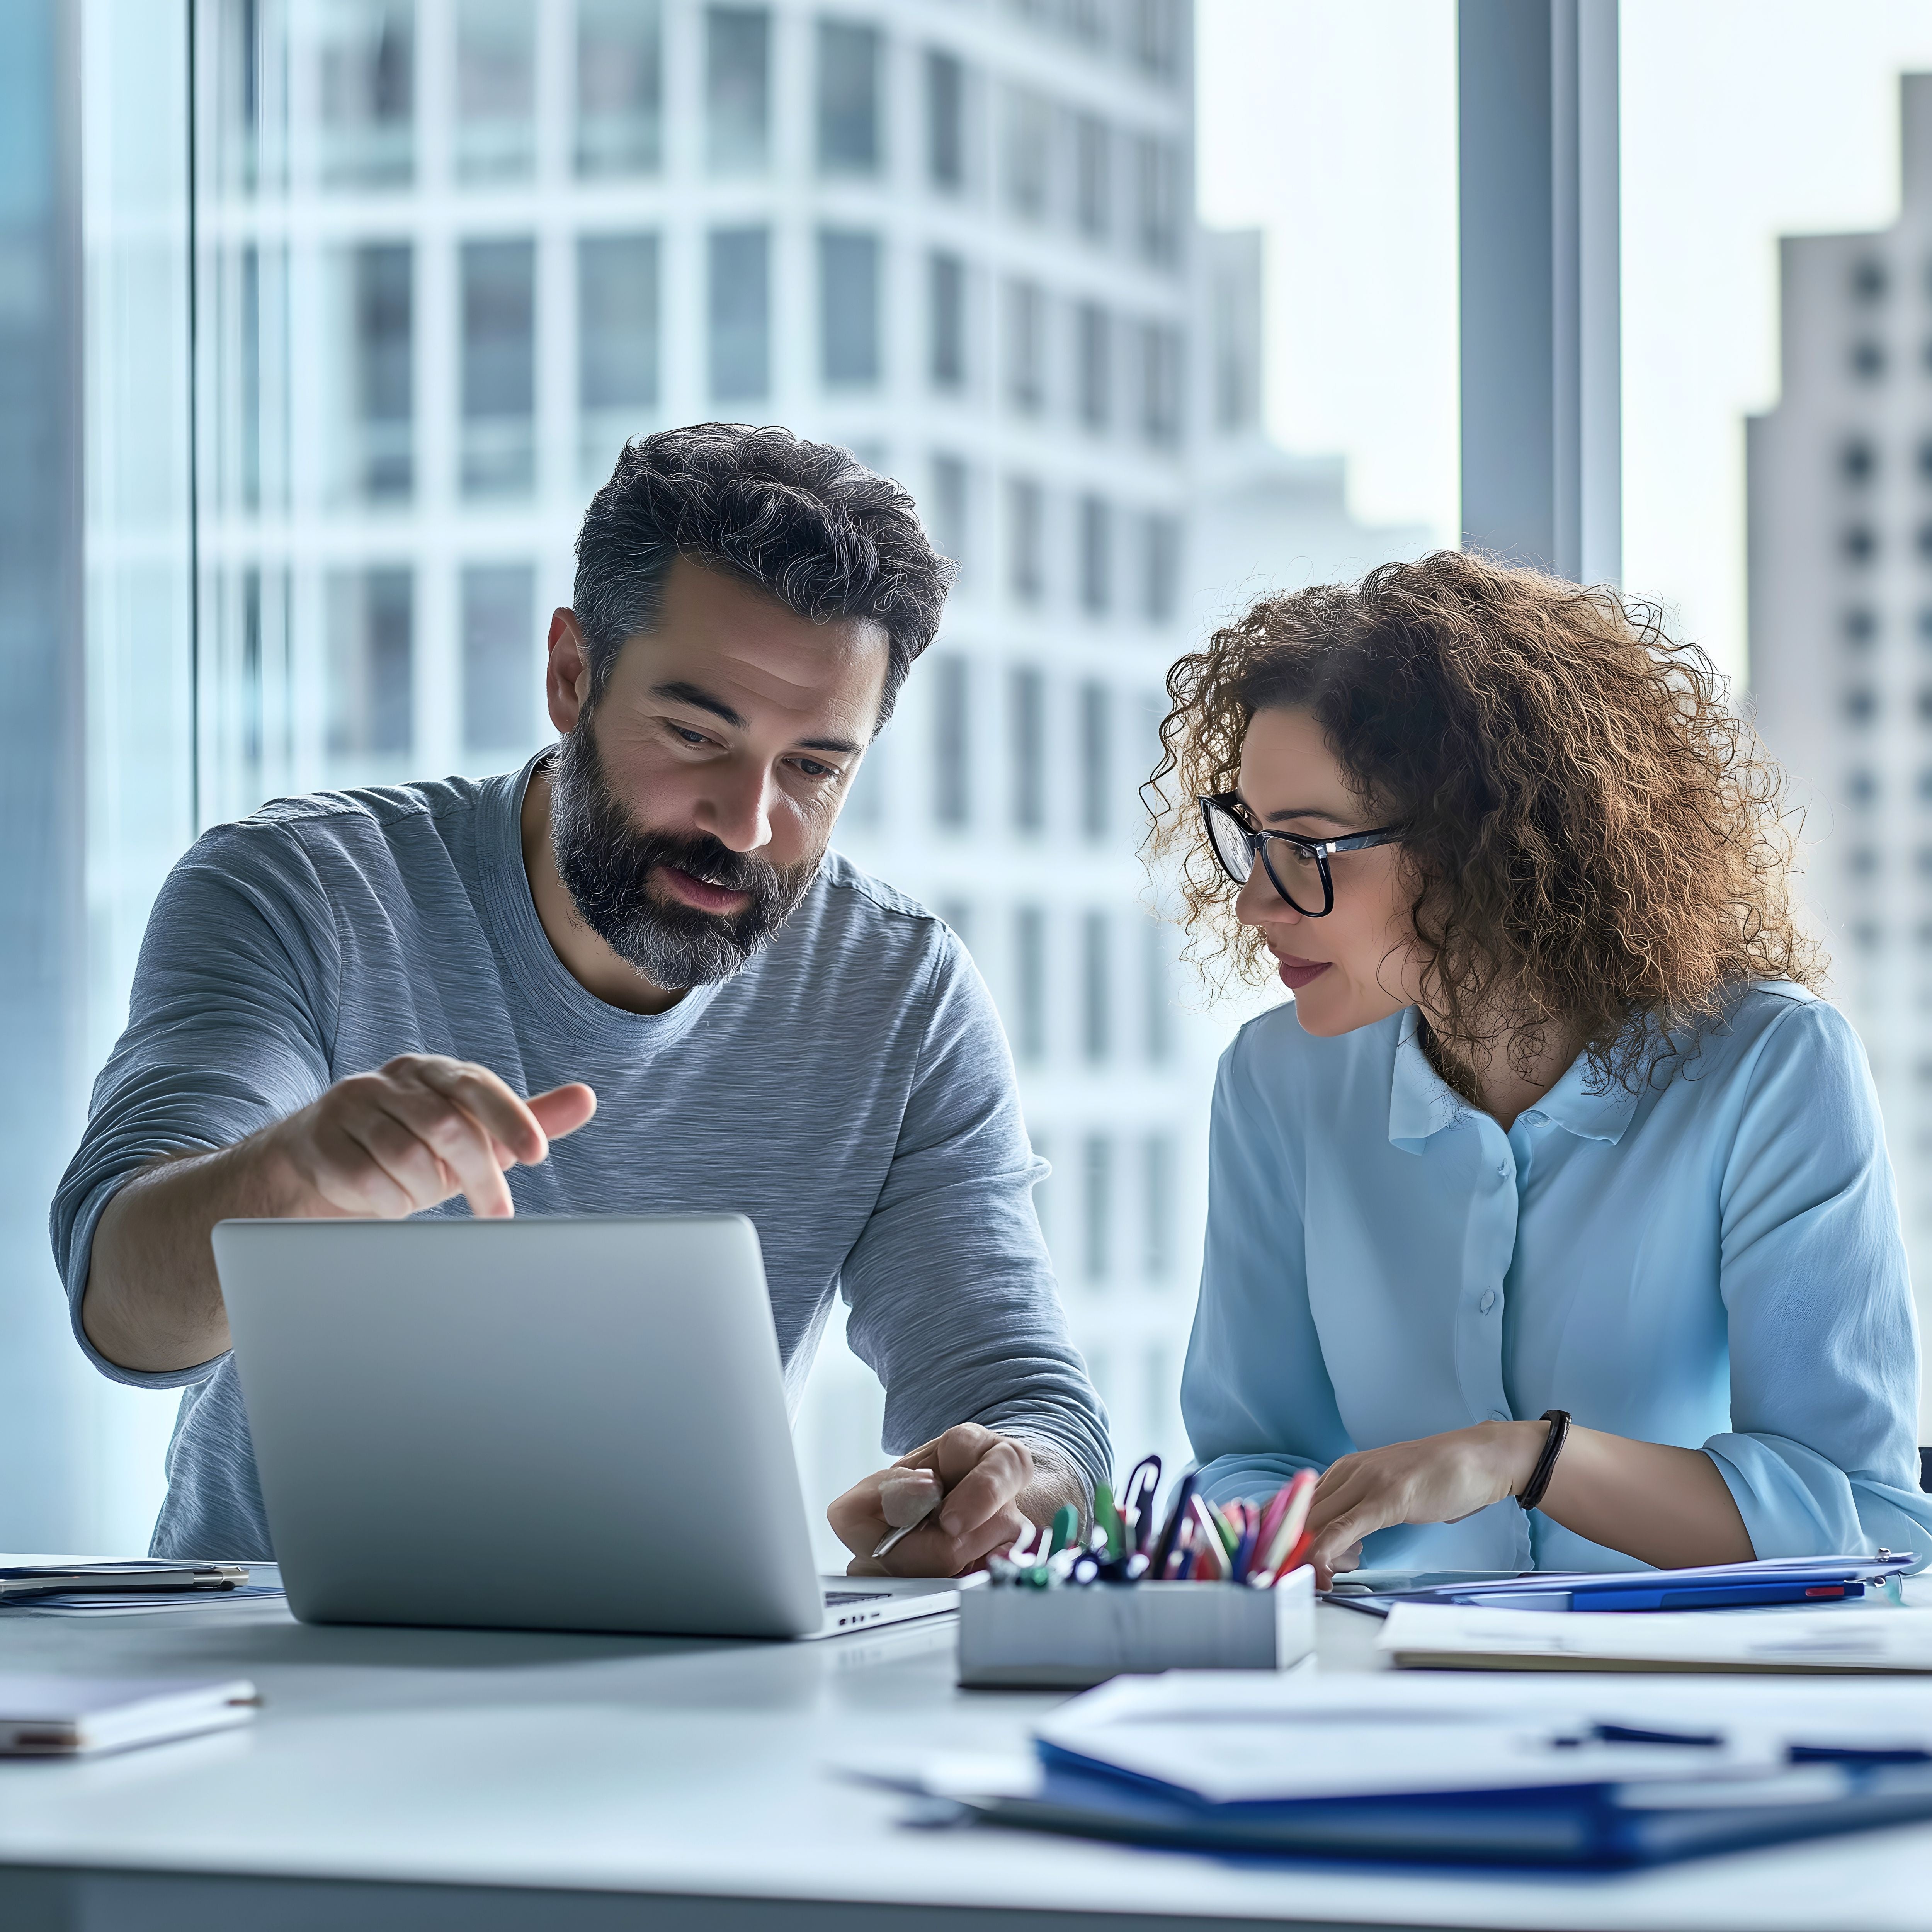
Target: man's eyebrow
680,692
699,699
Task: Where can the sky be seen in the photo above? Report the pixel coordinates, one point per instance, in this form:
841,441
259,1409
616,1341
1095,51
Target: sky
1330,125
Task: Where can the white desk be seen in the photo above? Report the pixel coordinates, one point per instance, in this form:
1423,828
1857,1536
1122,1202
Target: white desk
434,1780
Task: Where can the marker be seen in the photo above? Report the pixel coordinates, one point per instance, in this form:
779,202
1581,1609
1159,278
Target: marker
1066,1526
1286,1544
1107,1519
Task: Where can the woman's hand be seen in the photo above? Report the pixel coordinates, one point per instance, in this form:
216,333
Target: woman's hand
1437,1479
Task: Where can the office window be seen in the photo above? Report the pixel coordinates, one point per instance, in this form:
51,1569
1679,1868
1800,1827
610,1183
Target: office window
1157,1179
496,66
1157,1014
848,307
1026,737
1157,201
1026,511
737,88
946,283
380,467
1094,363
1160,567
1029,983
945,120
367,94
619,88
1160,361
1097,555
1093,176
499,454
1026,346
502,676
1096,776
1154,30
617,331
1028,160
739,313
1098,1162
1096,959
370,617
949,516
848,98
952,791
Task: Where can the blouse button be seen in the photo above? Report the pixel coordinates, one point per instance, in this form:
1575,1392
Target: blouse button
1489,1301
1502,1170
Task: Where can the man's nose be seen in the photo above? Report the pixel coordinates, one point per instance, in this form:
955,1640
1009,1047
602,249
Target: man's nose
737,813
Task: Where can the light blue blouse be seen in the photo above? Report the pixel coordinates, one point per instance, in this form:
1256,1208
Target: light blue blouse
1714,1262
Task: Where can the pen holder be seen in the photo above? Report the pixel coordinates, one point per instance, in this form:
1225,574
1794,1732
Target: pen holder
1066,1640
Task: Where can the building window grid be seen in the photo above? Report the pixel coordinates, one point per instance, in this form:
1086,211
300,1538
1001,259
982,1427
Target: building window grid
1026,714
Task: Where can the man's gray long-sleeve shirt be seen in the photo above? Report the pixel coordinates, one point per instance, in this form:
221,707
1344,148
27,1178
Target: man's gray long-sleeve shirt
850,1091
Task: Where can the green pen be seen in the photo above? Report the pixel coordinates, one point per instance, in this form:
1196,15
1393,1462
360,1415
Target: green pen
1109,1518
1066,1526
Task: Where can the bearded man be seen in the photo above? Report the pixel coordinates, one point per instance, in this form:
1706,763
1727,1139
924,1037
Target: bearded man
631,978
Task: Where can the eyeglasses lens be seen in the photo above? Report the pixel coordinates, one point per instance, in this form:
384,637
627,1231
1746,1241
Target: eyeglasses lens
1297,873
1231,842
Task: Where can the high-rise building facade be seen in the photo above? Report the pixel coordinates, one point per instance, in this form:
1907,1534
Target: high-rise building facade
452,252
1840,491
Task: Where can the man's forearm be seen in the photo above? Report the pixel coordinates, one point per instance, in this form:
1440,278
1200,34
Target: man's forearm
152,1301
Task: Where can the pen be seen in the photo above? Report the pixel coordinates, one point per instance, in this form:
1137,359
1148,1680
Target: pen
1177,1515
893,1537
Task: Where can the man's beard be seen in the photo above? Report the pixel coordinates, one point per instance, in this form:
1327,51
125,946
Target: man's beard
605,861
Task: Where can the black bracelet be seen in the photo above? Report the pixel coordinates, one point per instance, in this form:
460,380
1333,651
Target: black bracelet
1559,1420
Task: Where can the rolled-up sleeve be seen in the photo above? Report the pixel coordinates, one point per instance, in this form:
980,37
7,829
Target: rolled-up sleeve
954,1304
1255,1394
1822,1457
227,1031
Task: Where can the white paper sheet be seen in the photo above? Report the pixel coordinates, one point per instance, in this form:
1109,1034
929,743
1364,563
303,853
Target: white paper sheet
1233,1735
1878,1640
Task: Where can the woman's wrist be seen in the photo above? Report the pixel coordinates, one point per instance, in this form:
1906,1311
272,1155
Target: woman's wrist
1513,1449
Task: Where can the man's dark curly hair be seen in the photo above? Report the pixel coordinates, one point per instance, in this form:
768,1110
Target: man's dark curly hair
806,522
1591,837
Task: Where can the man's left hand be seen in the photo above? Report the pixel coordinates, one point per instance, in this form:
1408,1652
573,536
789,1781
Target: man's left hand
992,1486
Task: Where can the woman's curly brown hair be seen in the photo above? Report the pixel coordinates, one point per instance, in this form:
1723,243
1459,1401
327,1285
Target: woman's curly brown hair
1597,845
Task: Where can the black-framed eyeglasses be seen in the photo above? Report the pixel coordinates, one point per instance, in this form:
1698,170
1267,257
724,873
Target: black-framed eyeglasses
1297,868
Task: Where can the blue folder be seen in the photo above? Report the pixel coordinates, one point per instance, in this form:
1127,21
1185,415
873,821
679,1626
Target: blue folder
1589,1827
1718,1587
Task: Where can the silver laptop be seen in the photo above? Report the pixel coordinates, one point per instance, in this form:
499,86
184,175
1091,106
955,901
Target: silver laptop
531,1425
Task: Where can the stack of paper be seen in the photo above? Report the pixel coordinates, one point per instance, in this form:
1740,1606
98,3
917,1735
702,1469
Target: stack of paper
1577,1772
1440,1637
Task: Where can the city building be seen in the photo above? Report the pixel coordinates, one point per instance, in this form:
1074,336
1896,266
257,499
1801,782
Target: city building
1840,492
452,252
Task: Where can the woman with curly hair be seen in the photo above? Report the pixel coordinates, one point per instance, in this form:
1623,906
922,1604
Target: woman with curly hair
1555,1126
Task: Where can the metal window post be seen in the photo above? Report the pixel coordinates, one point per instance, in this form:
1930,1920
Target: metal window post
1541,384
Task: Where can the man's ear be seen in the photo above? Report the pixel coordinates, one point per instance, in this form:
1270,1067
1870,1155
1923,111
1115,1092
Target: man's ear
567,674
